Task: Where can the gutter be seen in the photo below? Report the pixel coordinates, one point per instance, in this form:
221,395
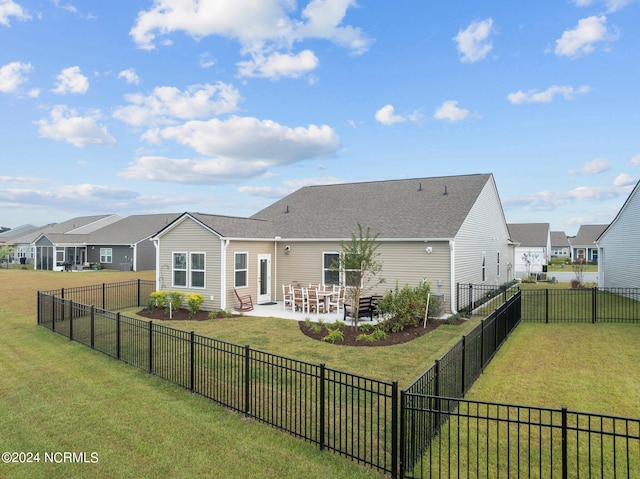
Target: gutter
452,282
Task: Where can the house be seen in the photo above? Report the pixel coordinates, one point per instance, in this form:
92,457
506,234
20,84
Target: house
583,245
532,251
446,230
560,246
618,252
38,247
7,236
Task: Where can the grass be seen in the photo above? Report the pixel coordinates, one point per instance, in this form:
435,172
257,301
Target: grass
57,396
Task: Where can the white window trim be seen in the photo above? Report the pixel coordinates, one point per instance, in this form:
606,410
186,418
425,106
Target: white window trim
107,255
484,267
324,269
173,269
498,264
192,270
235,270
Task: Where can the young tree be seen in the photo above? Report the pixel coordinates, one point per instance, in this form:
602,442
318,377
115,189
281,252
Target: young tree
5,253
361,267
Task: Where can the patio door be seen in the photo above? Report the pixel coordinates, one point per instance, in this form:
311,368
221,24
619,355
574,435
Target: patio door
264,278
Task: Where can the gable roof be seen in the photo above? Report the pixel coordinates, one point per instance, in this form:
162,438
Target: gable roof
226,226
587,235
80,224
132,229
529,234
629,199
433,208
559,239
18,231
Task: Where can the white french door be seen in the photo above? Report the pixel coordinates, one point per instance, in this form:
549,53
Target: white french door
264,278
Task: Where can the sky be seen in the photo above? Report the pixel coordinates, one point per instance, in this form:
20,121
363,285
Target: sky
225,106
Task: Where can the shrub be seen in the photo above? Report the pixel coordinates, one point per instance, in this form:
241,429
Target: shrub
158,299
377,335
405,307
174,300
334,335
194,303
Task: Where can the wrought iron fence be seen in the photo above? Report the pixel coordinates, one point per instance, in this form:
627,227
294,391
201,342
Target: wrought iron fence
348,414
469,297
109,296
488,440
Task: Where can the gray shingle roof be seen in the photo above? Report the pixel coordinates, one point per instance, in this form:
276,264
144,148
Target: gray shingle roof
132,229
53,228
235,227
587,235
559,239
411,208
529,234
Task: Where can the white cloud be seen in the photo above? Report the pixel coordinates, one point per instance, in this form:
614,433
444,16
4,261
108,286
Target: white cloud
592,167
166,104
386,115
8,9
12,75
288,186
450,111
611,5
64,124
546,96
473,42
71,80
130,76
234,149
624,180
278,65
581,40
635,161
266,30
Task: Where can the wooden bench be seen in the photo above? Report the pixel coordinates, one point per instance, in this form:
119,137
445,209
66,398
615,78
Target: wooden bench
367,306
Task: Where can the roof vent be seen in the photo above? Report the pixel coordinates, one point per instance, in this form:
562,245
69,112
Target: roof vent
420,187
445,190
287,210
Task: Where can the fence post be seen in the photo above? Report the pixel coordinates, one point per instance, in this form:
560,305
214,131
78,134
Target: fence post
138,292
594,305
151,346
92,326
463,372
471,302
321,399
70,320
394,430
403,431
546,306
247,380
192,358
118,335
482,345
104,304
564,443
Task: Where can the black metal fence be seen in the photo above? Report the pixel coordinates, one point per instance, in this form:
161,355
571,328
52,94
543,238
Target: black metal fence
490,440
581,305
426,430
110,296
345,413
471,296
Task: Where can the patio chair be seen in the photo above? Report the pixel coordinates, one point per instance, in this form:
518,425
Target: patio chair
313,301
246,303
336,300
299,303
287,297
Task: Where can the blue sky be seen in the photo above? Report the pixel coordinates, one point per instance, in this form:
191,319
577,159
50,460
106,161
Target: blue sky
224,106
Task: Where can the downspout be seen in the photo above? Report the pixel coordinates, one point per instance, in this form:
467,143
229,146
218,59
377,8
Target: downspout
156,244
275,268
223,274
452,262
134,262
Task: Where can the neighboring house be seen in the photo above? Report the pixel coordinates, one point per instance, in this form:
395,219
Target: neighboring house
39,248
583,245
126,244
618,247
532,249
560,247
7,236
446,230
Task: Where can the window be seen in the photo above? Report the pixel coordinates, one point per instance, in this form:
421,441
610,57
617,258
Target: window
241,272
498,264
197,270
330,268
106,255
484,266
180,269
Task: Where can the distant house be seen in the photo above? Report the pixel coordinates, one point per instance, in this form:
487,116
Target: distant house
7,236
560,246
444,230
39,248
618,247
532,249
583,245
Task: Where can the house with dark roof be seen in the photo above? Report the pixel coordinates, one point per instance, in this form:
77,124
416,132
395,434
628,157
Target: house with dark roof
583,245
444,230
618,252
560,246
532,249
37,248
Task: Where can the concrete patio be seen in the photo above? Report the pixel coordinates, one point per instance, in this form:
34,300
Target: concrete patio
275,310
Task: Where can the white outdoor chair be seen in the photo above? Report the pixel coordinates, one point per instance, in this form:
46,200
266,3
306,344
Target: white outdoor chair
287,297
336,300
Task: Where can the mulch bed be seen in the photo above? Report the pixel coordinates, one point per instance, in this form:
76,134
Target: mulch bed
350,332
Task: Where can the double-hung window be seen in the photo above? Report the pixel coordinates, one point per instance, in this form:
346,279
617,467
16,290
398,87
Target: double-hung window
330,268
484,266
106,255
241,271
188,269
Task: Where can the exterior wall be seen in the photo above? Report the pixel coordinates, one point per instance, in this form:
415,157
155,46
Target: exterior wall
619,251
190,237
538,258
253,248
120,255
145,256
483,232
403,262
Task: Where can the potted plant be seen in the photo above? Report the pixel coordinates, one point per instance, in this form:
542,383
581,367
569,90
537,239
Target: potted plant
97,266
